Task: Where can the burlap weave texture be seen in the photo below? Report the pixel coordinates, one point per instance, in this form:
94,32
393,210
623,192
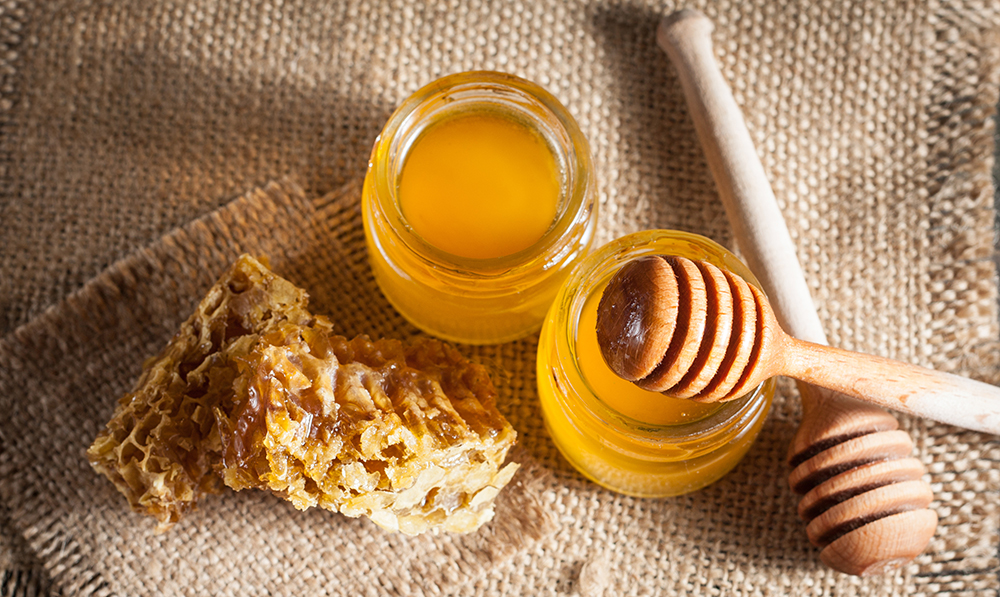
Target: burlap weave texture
121,121
100,337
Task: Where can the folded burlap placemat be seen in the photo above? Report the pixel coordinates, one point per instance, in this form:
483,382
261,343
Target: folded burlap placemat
122,121
59,370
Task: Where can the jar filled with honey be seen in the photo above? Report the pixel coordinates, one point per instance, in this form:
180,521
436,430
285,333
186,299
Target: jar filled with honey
618,435
478,201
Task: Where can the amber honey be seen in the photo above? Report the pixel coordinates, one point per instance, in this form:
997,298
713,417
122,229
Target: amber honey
478,201
480,186
620,436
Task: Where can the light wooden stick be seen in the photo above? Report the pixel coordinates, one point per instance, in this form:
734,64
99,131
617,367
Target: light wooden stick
843,447
761,232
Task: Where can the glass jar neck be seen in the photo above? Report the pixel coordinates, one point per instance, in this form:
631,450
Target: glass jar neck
508,96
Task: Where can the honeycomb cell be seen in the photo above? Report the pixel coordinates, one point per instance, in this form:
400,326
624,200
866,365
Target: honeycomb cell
256,392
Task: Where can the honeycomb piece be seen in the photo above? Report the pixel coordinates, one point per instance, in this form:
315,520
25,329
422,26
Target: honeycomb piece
407,435
256,391
162,443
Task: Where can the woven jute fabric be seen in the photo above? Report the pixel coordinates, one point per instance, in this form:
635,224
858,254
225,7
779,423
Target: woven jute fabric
127,130
252,543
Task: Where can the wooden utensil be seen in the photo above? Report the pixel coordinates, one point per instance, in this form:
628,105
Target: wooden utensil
711,336
845,450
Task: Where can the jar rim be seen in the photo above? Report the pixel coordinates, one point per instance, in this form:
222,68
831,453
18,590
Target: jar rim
583,281
558,239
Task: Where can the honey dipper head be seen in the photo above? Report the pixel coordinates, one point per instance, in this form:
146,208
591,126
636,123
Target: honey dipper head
636,317
685,328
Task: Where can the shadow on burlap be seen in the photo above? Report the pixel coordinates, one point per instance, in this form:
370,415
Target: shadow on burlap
122,122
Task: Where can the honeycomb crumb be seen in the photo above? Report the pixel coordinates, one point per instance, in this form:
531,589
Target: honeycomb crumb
255,392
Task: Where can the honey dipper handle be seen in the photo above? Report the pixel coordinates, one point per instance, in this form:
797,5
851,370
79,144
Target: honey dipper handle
739,176
893,384
827,417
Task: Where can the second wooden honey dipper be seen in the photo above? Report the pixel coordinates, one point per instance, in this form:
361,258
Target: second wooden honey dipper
865,502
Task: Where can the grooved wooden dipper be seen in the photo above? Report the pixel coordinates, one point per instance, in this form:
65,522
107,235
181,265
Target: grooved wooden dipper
689,329
847,455
864,502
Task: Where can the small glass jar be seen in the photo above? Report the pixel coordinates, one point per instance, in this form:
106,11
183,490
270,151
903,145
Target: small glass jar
477,301
614,449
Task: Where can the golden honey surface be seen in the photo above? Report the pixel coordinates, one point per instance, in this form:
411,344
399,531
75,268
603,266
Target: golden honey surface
478,201
480,185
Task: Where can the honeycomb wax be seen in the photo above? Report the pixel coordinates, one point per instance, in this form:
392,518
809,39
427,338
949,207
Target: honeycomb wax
256,392
162,445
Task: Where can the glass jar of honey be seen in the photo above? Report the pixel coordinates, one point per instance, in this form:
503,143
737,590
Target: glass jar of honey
478,201
618,435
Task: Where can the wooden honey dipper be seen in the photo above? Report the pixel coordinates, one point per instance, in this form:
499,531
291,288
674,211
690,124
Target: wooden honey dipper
864,500
708,335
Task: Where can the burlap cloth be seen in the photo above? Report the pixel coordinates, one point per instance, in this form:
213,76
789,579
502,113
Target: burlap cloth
127,130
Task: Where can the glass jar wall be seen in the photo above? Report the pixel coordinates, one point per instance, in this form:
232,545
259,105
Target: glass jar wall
616,434
445,275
